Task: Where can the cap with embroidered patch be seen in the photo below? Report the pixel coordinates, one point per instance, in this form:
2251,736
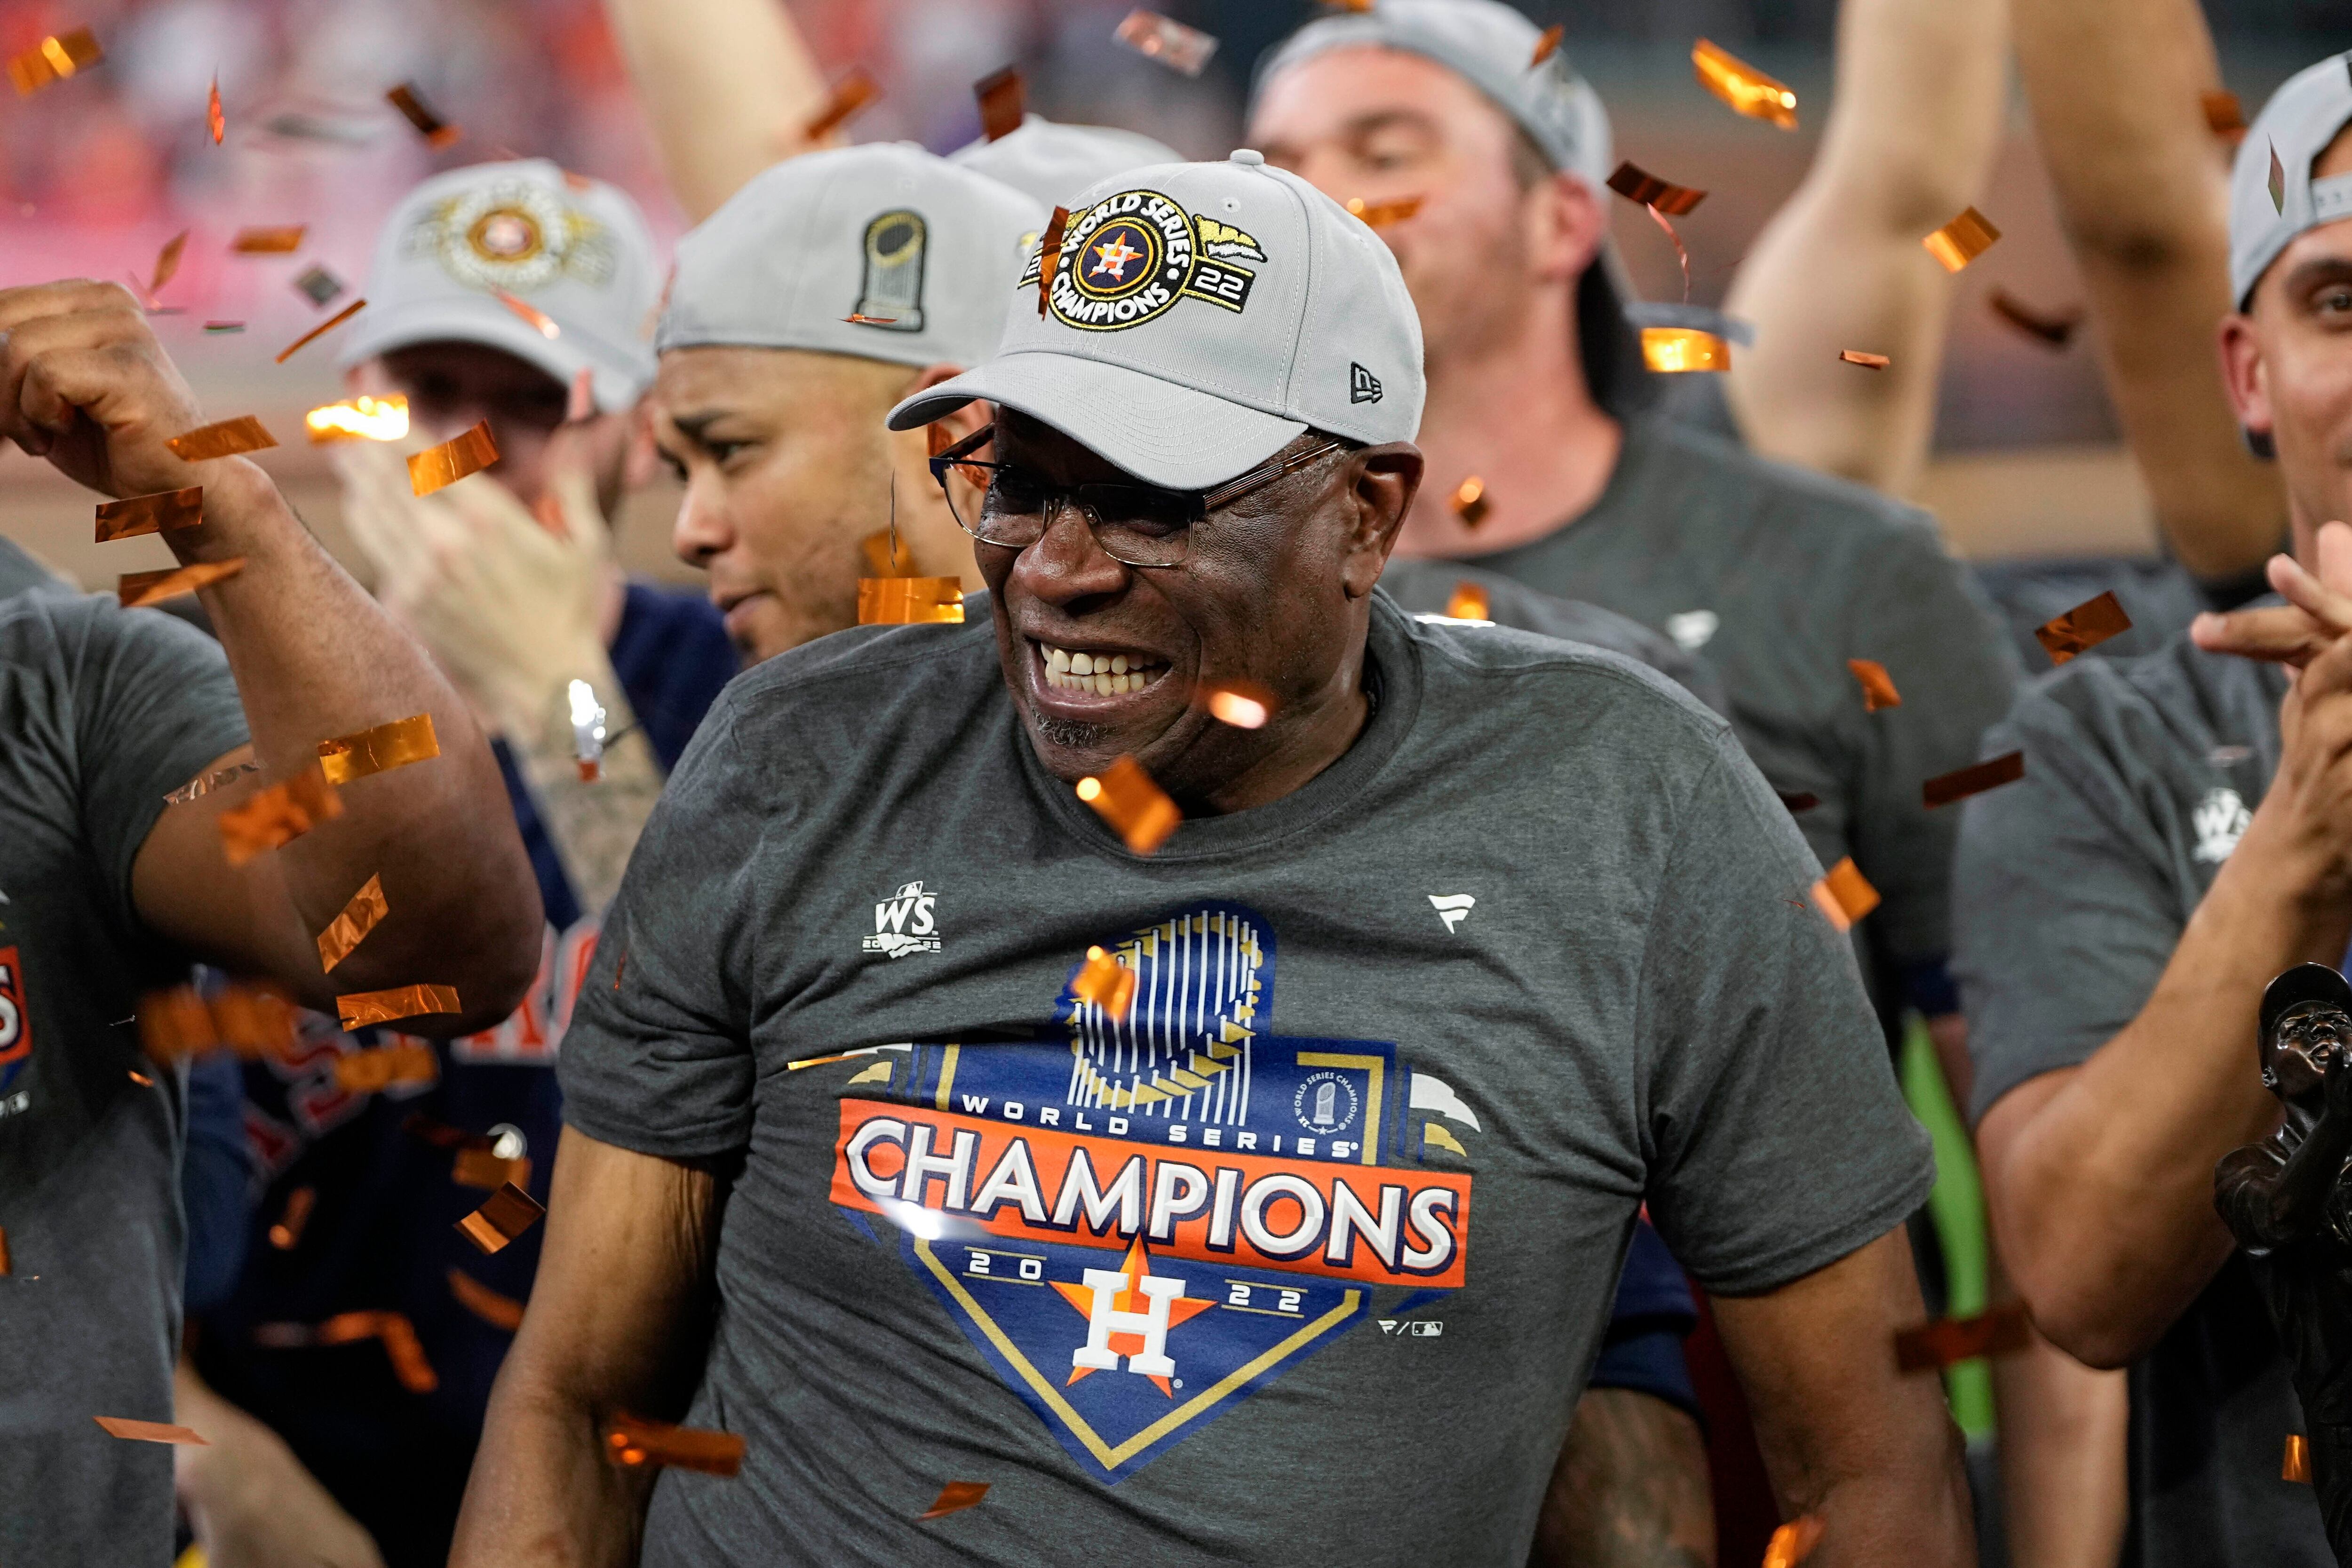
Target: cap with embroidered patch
880,252
1199,316
2273,197
1053,162
574,251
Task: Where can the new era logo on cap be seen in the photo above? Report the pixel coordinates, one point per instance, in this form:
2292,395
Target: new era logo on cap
1362,385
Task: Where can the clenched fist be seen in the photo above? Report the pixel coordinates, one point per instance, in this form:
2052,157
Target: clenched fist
84,383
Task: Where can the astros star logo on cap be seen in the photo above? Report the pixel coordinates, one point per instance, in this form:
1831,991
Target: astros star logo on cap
1130,256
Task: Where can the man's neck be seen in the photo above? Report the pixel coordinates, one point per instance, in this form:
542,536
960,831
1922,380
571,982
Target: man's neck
1518,416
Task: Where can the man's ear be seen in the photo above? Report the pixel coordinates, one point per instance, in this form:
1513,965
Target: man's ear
2243,379
963,421
1386,478
641,456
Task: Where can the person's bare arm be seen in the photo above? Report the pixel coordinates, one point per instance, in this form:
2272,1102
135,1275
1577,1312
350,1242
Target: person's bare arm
2114,88
1911,136
1846,1436
248,1499
729,86
618,1322
1630,1490
84,383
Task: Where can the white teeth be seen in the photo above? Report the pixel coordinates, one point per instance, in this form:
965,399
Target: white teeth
1057,661
1080,664
1118,663
1105,674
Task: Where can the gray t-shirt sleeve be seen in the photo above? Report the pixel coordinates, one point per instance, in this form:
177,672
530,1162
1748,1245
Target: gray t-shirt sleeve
658,1057
2065,919
1762,1063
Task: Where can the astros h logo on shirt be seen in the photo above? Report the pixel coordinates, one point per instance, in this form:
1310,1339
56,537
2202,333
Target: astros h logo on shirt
1130,257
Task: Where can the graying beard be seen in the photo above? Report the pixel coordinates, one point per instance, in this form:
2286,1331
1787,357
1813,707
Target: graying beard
1071,734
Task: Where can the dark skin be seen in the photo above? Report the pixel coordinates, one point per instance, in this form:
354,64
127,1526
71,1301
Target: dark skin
2304,1066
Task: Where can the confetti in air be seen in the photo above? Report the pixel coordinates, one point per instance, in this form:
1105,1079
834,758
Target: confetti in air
53,59
287,1234
857,90
1672,350
1962,240
909,600
1468,602
2224,116
437,133
2083,628
1877,686
1868,361
1049,256
539,321
360,418
1638,185
2053,328
488,1170
1548,44
1793,1543
1004,102
167,263
1973,780
1181,48
226,439
206,783
1138,808
1104,982
372,1071
361,916
135,514
215,120
278,815
631,1442
148,1431
2296,1464
360,1008
1844,895
500,1311
282,239
510,1212
320,330
1380,214
438,467
1470,503
216,328
386,745
1244,704
1931,1346
318,286
138,589
955,1496
1746,89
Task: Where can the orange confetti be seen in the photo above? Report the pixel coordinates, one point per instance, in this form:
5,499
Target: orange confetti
360,418
1244,704
2224,116
1638,184
1845,894
909,600
1793,1543
279,240
251,1020
224,439
1049,256
53,59
1171,43
857,90
957,1495
4,1254
2296,1465
138,589
360,1008
1962,240
1468,603
148,1431
633,1442
371,1071
360,916
886,554
287,1234
1877,686
167,262
485,1169
400,1343
1380,214
1929,1346
320,330
278,815
1004,102
142,1080
1469,501
438,466
2053,328
386,745
2083,628
509,1213
1131,802
437,133
1748,90
1974,780
500,1311
214,119
206,783
1104,982
1868,362
1672,350
541,322
1548,44
135,514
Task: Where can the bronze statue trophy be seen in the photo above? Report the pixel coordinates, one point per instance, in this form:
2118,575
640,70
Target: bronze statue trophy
2286,1201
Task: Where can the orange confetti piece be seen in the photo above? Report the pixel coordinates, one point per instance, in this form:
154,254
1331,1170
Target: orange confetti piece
386,745
1793,1543
1548,44
1877,686
322,330
1104,982
360,418
287,1234
53,59
360,916
1004,102
2224,116
1171,43
1244,704
1845,894
909,600
142,1080
2053,328
398,1336
2083,628
1672,350
1467,603
4,1254
138,589
224,439
2296,1464
1049,256
1380,214
248,1019
1929,1346
498,1311
957,1495
214,120
360,1008
1748,90
278,815
206,783
509,1213
438,466
149,1431
1962,240
167,262
1975,780
1638,184
279,240
487,1170
1469,501
1868,362
371,1071
541,322
437,133
136,515
1131,802
632,1442
886,554
857,90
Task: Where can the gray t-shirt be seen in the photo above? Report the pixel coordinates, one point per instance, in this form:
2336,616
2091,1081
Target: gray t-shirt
1228,1278
102,711
2072,888
19,572
1779,575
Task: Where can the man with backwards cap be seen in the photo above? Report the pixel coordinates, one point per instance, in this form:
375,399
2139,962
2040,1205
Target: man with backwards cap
2182,834
861,1170
361,1190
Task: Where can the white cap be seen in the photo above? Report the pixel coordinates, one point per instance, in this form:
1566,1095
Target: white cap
1201,316
573,249
2273,197
1054,162
924,253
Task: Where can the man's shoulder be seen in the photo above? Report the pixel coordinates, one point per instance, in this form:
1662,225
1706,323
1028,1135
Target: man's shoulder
67,635
1788,495
2177,691
873,674
1518,683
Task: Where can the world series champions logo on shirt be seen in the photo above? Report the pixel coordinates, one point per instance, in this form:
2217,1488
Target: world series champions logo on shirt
1143,1222
1129,258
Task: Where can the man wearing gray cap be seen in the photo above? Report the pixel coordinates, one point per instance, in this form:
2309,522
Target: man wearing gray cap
2182,834
822,292
966,1162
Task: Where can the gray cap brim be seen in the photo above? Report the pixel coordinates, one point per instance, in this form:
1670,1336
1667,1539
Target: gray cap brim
484,320
1161,433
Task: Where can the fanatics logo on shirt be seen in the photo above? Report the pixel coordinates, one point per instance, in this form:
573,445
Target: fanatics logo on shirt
905,922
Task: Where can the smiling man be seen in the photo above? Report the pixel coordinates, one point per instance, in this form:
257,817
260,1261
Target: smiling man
1287,1269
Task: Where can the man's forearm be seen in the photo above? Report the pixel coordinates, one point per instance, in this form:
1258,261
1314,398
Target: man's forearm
595,825
1630,1490
728,85
542,1494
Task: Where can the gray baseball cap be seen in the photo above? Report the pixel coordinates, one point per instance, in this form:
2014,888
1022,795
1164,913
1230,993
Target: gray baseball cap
879,252
1053,162
573,249
1200,315
1492,47
2273,197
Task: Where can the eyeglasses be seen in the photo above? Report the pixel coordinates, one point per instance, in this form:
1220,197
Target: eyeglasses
1139,525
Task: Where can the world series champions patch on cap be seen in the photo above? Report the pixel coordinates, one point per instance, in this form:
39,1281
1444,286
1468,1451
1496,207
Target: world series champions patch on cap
1133,256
